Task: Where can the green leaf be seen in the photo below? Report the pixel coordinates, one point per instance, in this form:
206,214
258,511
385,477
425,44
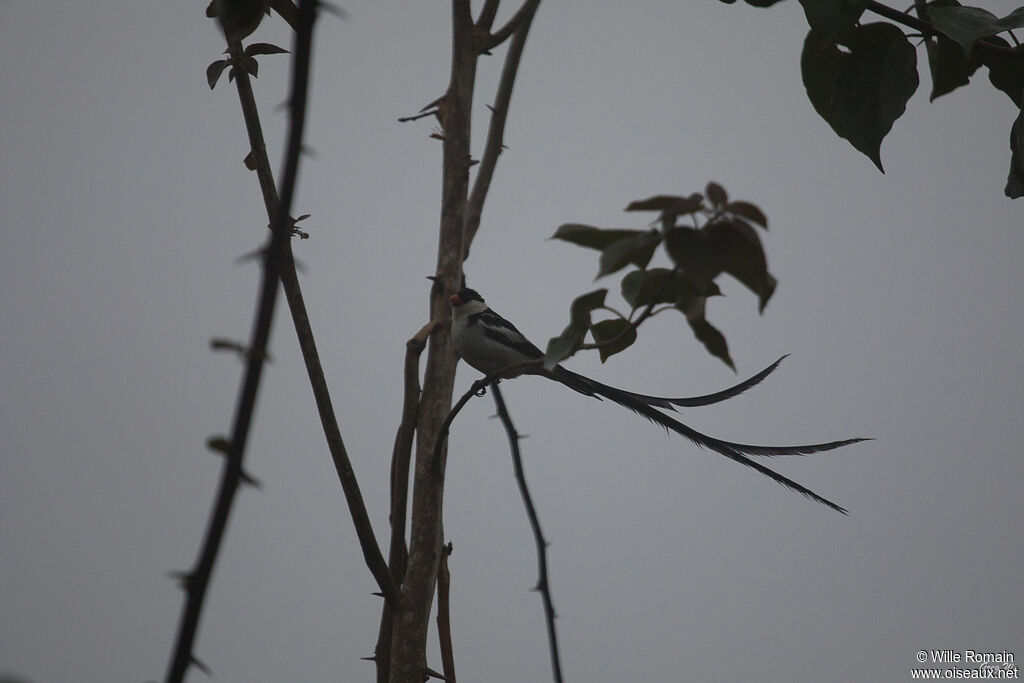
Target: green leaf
833,15
221,444
670,206
949,66
637,250
716,194
214,71
862,92
250,65
264,49
591,237
642,287
669,203
713,340
564,345
966,25
1015,180
695,254
616,334
1005,72
744,257
748,211
706,333
579,310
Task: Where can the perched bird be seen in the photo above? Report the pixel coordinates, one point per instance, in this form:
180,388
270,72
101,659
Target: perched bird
492,344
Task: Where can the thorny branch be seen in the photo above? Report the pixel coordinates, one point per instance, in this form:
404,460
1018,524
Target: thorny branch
499,113
198,581
457,229
538,536
311,357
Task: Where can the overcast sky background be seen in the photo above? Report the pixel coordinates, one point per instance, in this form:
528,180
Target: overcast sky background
124,206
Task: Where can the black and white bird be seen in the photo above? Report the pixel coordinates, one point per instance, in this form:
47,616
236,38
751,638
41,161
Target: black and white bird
492,344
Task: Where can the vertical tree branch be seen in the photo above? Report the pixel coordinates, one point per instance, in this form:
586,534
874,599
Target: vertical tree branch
400,459
459,224
310,356
499,113
408,652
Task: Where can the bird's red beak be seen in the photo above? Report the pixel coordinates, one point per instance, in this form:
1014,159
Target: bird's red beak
455,300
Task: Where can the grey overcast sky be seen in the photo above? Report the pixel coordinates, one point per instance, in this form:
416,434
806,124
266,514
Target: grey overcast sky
124,206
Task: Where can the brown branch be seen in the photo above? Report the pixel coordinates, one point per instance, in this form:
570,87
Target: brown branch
524,15
444,623
400,458
409,634
198,580
311,358
408,653
487,14
478,388
499,114
543,584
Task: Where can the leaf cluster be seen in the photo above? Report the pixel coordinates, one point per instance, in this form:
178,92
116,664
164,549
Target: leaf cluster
859,76
246,61
703,235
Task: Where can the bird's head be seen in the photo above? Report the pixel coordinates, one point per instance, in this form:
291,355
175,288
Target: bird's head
464,296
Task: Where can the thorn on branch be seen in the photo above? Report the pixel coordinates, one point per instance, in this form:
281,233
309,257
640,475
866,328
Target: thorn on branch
219,444
417,117
182,578
201,665
250,480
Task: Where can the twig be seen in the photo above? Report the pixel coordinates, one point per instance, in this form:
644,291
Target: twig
487,14
199,579
444,623
499,113
523,16
311,357
478,388
538,536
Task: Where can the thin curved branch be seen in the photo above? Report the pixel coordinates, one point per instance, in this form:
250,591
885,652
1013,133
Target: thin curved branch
478,388
524,15
499,114
487,14
198,580
543,584
311,357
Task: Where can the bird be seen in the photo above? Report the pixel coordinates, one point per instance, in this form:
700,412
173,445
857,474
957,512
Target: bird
493,345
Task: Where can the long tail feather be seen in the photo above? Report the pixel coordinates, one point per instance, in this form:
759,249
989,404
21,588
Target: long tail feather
567,376
733,451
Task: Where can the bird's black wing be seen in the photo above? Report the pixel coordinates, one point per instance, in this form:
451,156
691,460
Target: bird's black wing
502,331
